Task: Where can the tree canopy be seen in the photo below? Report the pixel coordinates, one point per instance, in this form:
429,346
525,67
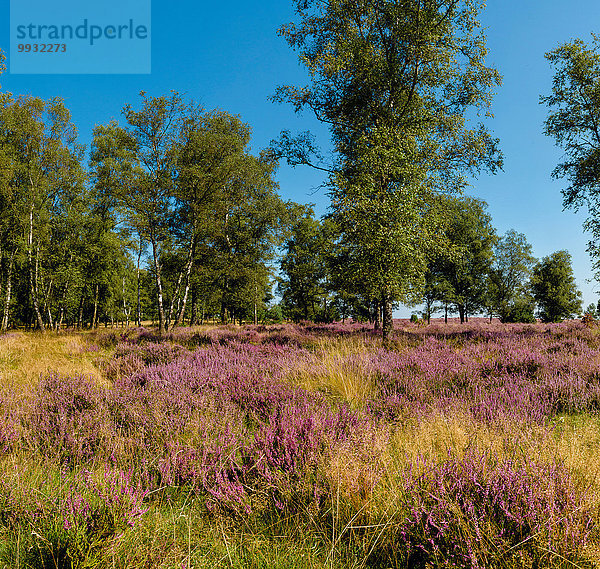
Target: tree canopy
509,290
554,288
394,82
460,274
574,122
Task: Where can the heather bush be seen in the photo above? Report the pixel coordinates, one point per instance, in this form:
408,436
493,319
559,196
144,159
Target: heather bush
131,356
480,512
69,519
305,430
65,418
106,339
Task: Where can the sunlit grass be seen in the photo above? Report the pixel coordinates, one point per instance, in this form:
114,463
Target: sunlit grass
335,366
25,357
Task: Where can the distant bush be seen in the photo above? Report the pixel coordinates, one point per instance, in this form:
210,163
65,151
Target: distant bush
589,319
520,312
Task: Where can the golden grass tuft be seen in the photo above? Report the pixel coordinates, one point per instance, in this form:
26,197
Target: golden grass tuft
356,476
336,368
26,357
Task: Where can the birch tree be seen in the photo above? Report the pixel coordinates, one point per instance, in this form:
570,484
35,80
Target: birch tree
574,123
394,81
43,161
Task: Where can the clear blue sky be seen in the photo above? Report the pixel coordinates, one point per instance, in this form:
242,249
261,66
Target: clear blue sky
227,55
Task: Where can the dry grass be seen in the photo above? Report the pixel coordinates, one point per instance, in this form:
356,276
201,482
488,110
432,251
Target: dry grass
25,357
336,367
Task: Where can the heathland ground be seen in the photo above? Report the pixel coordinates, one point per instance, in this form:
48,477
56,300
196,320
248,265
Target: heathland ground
301,446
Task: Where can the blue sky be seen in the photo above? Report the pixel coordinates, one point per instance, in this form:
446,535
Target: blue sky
227,55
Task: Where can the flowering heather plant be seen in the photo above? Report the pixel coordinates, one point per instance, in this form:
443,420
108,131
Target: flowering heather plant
221,421
131,356
106,339
65,418
70,519
219,417
228,429
509,374
480,512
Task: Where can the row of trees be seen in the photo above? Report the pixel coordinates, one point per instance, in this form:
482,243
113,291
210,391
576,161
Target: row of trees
480,272
172,218
173,212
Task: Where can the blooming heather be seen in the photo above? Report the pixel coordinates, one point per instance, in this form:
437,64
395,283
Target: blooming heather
219,414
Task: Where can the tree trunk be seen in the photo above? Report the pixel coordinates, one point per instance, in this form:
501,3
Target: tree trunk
60,317
126,310
255,309
95,317
80,313
446,313
188,273
47,306
162,327
388,320
174,298
32,276
461,312
139,302
377,325
8,292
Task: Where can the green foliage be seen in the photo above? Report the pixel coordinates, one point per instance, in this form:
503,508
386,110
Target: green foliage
521,310
42,204
573,123
509,294
304,267
271,315
592,310
393,81
460,277
187,185
554,288
174,206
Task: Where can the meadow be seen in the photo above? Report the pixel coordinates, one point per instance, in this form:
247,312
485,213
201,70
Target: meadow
302,446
